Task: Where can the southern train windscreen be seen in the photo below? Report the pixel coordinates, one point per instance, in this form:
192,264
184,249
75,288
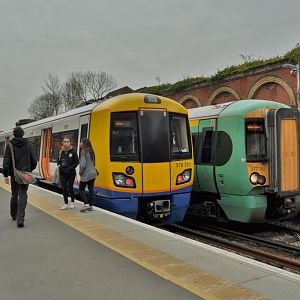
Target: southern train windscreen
255,141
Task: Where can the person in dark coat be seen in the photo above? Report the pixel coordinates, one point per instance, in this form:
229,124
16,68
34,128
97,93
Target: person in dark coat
25,160
67,162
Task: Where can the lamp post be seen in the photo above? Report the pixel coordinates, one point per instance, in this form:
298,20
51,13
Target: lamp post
295,68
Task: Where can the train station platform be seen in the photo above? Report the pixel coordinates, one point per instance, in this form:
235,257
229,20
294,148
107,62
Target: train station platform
101,255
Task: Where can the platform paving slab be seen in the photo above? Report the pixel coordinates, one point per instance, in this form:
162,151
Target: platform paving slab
178,255
50,260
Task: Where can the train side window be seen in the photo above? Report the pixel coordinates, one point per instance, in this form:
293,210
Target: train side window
2,149
56,142
197,138
206,146
36,142
194,139
223,148
84,131
124,137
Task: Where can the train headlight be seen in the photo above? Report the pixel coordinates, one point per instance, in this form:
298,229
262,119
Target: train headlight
119,179
256,178
261,179
184,177
122,180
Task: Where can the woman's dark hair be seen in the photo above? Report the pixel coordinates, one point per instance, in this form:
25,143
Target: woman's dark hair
88,148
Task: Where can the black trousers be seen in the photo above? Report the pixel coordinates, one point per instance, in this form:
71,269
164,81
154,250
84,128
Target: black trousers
82,192
18,201
67,181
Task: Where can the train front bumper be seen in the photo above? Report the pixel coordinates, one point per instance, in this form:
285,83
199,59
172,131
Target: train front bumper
130,207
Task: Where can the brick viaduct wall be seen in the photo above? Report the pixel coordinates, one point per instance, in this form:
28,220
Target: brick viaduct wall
272,82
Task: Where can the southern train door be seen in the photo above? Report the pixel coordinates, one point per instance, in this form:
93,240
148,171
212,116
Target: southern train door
289,148
204,156
284,146
45,155
289,155
155,150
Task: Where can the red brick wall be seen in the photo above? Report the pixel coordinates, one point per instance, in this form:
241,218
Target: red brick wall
189,104
223,97
242,86
272,91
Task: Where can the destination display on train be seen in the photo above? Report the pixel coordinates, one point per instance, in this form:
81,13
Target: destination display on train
255,127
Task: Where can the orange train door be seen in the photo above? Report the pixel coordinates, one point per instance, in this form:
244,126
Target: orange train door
283,151
289,155
45,157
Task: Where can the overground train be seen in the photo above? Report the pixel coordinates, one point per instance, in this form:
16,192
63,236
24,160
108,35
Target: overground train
246,161
246,157
143,151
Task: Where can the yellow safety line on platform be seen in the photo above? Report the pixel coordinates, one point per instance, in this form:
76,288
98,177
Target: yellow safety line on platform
191,278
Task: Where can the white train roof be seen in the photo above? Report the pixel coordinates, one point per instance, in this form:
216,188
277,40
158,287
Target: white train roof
207,111
77,111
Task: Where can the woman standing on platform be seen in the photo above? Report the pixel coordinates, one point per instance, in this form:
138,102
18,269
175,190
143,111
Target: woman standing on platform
88,174
67,162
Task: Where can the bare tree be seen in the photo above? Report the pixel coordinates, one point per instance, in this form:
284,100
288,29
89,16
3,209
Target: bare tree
52,89
41,107
85,85
73,92
99,83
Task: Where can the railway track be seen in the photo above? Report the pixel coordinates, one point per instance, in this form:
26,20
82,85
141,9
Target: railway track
285,225
274,253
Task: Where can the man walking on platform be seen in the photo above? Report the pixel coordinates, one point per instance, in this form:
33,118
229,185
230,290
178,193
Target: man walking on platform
25,160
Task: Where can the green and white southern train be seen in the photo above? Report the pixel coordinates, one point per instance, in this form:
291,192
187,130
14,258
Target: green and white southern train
246,161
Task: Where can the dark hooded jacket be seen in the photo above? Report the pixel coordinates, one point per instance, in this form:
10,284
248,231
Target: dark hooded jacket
25,157
67,161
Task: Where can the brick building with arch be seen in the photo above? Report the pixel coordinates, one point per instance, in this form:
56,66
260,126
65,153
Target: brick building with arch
268,82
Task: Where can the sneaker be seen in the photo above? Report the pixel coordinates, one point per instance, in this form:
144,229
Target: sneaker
20,224
90,208
64,207
72,205
85,208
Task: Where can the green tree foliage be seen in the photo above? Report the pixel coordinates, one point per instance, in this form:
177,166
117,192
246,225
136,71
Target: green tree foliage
249,64
24,121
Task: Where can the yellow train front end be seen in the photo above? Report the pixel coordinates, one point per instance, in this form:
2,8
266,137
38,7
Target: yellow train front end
144,157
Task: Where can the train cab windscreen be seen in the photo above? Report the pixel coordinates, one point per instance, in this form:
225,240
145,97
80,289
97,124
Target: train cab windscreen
180,142
256,141
163,136
124,137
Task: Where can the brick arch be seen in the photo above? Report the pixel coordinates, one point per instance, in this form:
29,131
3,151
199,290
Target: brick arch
272,79
223,89
190,100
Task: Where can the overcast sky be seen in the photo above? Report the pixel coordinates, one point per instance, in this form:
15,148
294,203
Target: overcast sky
133,40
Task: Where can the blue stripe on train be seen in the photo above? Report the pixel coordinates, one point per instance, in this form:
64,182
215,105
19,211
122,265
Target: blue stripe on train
127,203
